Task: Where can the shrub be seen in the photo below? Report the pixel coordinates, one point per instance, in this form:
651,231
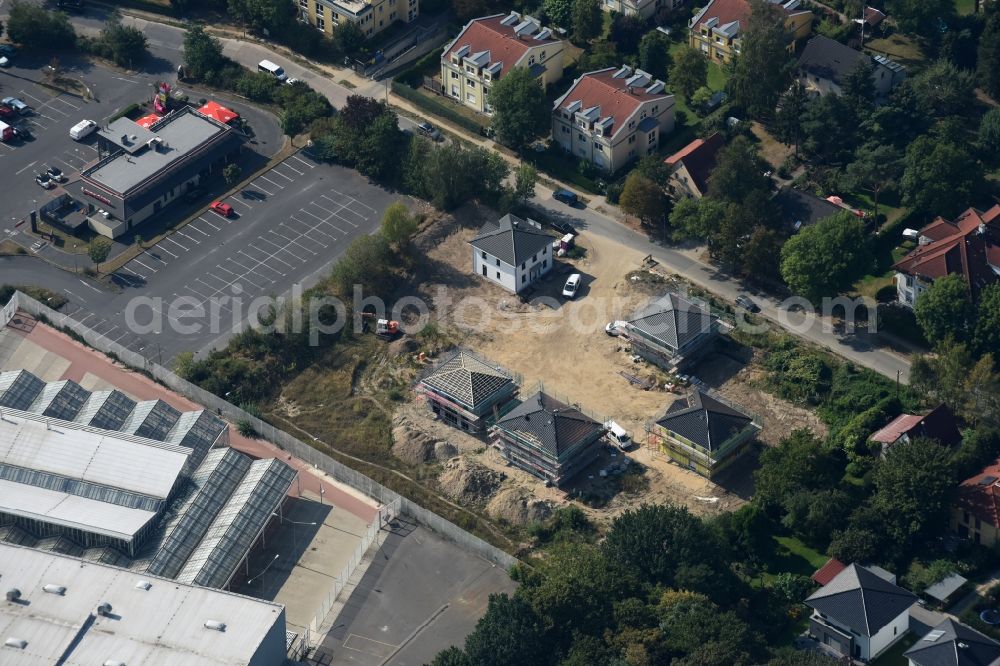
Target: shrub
245,428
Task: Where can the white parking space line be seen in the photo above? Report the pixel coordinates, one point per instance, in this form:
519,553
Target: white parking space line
305,234
296,157
197,293
25,168
35,123
152,256
126,268
91,287
280,187
148,268
28,94
317,230
237,201
333,215
214,277
353,200
72,167
270,194
194,228
286,164
256,273
7,147
237,275
276,258
344,207
281,248
159,247
175,243
51,109
190,238
328,223
210,224
295,242
73,106
278,173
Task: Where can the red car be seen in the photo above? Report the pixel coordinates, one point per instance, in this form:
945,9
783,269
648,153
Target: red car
6,111
223,209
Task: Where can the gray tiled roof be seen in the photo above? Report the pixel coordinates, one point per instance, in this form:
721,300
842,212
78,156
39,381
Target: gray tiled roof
467,379
829,59
861,600
952,643
673,321
512,240
553,425
704,420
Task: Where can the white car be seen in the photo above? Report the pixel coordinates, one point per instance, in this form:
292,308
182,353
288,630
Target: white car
572,285
82,129
615,328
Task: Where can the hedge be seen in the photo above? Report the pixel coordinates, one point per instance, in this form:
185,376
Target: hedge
436,107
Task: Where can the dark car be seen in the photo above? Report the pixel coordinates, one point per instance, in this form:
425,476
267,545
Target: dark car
429,131
567,197
563,227
748,305
23,133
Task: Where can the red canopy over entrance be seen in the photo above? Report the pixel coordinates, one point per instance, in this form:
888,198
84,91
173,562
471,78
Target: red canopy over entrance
219,112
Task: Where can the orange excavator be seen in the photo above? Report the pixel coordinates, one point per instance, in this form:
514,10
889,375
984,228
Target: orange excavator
384,328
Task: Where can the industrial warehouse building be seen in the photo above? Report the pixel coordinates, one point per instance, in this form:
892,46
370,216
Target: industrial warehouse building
146,169
467,392
61,610
139,484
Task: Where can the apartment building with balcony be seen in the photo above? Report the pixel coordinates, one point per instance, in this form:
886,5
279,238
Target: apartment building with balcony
645,9
372,16
715,30
489,47
611,117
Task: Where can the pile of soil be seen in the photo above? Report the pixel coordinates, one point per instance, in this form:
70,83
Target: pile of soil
469,482
444,451
410,444
518,507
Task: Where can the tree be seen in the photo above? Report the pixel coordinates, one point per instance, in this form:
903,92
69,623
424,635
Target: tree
920,17
792,588
468,9
271,15
232,174
787,125
758,255
525,178
988,61
801,461
626,31
36,28
398,226
989,132
654,54
453,656
762,71
939,178
643,199
124,45
509,633
739,171
986,335
453,174
520,110
697,218
953,375
349,37
365,262
830,126
859,86
558,12
98,250
202,53
587,20
943,89
876,167
827,257
945,310
689,73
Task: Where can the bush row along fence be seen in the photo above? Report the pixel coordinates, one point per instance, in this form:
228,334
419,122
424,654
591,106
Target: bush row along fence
336,470
435,106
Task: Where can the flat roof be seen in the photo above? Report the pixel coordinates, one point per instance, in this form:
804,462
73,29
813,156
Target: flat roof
180,134
161,624
73,511
103,457
127,134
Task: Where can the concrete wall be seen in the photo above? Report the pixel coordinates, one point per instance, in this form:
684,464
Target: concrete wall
232,413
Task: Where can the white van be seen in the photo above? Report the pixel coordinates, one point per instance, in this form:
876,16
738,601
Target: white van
82,129
618,436
272,69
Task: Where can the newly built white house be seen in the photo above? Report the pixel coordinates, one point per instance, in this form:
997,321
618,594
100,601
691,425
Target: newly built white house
512,252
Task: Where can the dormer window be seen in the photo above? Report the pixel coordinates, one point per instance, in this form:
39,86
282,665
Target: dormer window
456,60
531,61
541,56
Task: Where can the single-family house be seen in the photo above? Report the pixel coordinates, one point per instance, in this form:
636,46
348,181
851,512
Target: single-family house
938,424
704,433
691,166
976,512
952,643
873,18
467,392
800,209
645,9
611,117
859,614
825,65
547,438
489,47
513,252
968,246
671,331
715,29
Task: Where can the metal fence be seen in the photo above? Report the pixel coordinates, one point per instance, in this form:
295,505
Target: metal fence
392,502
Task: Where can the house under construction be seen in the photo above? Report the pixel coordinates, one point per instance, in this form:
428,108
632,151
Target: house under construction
467,392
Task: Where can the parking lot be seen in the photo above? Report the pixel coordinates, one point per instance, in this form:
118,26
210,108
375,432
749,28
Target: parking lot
288,226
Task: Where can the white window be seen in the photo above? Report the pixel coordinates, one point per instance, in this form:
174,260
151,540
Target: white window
471,84
320,23
320,10
454,75
651,138
454,91
471,97
304,3
598,147
541,56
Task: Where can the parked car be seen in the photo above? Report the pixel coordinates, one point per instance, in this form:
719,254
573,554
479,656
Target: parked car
615,328
4,61
16,104
7,53
194,194
44,180
563,227
6,112
22,133
82,129
572,286
56,174
567,197
429,131
617,435
748,305
223,209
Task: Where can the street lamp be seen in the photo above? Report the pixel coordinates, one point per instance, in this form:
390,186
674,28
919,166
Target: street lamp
264,570
295,532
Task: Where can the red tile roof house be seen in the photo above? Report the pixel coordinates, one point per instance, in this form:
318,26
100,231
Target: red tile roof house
969,246
938,424
488,47
613,116
976,512
691,166
715,29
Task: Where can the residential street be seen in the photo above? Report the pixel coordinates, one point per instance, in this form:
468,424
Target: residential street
865,349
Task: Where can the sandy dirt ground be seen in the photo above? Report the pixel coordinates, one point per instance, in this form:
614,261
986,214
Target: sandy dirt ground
773,152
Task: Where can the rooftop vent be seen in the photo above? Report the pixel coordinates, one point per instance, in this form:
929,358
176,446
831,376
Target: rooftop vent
54,589
112,662
215,625
18,643
103,609
934,635
13,594
143,585
962,646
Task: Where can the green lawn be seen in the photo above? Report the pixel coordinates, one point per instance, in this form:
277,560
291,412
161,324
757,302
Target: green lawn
716,75
964,7
792,556
894,657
